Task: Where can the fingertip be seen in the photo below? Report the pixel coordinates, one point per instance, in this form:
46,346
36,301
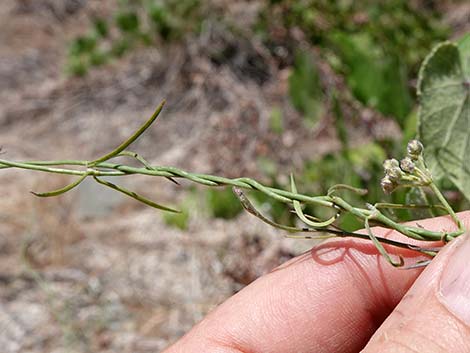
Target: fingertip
434,316
331,299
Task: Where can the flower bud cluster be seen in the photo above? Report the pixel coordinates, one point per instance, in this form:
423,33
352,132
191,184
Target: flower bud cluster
393,175
396,172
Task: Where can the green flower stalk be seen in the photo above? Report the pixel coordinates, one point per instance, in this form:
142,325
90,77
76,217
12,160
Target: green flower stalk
410,172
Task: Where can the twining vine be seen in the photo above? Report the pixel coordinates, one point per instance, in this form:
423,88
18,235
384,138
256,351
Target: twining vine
410,172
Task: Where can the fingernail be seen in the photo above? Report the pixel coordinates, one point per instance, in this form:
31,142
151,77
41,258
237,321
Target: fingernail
455,281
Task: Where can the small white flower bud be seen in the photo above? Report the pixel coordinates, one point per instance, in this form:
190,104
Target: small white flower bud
390,164
407,165
387,185
394,174
414,149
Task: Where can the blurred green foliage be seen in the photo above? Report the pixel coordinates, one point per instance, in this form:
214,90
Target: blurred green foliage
369,42
134,23
223,203
367,67
188,207
376,45
276,121
127,21
304,87
216,203
177,220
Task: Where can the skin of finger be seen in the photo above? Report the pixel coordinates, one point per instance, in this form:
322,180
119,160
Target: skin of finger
330,300
421,323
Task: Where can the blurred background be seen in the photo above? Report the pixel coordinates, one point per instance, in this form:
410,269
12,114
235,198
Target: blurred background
323,89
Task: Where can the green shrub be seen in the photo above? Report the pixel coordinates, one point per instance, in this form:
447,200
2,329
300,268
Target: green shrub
101,27
223,204
127,21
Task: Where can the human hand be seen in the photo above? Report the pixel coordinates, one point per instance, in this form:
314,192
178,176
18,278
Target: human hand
336,297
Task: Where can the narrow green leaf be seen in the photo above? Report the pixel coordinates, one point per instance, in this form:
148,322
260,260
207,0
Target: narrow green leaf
131,139
381,248
300,213
248,206
135,196
62,190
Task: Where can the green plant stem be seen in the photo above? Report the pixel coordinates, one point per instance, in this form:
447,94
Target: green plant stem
423,172
379,246
101,167
111,169
300,213
23,165
115,170
405,207
444,203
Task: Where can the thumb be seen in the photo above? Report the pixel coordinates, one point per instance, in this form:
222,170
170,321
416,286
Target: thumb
434,316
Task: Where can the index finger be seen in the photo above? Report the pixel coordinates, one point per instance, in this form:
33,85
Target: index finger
331,299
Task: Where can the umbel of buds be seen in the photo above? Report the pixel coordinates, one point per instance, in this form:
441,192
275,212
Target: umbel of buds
397,173
393,175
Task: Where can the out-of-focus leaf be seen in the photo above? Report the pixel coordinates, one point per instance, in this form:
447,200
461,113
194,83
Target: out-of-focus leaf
350,223
158,14
368,155
82,45
304,87
127,21
363,67
77,67
377,79
417,197
101,27
223,204
444,116
276,120
98,57
120,47
409,128
464,49
267,166
395,98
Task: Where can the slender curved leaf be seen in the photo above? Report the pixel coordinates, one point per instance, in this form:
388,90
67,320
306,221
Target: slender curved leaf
444,116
